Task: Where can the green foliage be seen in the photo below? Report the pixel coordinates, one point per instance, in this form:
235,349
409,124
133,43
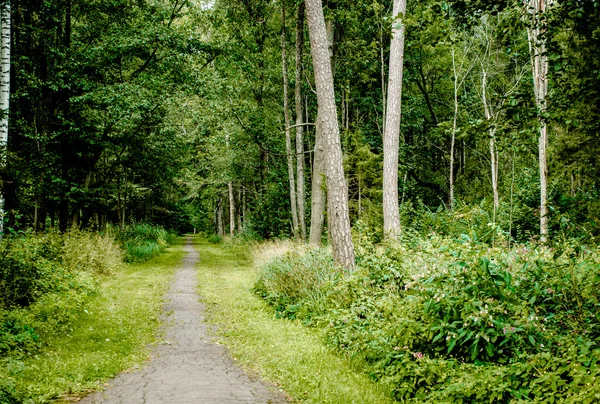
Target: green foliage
45,281
113,331
213,238
297,283
454,319
142,241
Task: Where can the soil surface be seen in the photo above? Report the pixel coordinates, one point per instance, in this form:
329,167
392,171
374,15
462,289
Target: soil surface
187,367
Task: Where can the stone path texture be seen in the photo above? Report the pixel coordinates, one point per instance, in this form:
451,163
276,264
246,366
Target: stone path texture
188,367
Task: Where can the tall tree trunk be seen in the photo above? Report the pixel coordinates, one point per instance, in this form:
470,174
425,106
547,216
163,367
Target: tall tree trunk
299,121
288,137
220,227
5,20
231,209
453,138
493,149
338,218
318,192
391,136
317,210
539,66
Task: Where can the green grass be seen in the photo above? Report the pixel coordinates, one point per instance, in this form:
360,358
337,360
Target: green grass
112,335
281,351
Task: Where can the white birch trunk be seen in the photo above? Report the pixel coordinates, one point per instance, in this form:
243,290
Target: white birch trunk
539,67
231,198
300,192
231,209
288,137
454,127
391,136
493,150
338,218
5,21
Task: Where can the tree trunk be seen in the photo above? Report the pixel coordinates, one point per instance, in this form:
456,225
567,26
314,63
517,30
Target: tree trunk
493,149
299,121
288,137
453,139
5,20
231,209
539,66
338,219
220,227
317,210
239,211
391,136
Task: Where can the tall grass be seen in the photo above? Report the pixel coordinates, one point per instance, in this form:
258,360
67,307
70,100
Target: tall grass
142,241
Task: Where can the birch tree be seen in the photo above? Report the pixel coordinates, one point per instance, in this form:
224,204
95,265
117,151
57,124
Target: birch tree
539,67
299,121
288,137
391,136
338,219
5,21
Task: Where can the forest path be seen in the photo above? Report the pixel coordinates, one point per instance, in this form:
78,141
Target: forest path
187,367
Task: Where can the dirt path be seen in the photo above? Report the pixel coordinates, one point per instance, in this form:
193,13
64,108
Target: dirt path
187,367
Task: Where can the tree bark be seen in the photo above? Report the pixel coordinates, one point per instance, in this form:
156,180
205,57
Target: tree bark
391,136
318,189
338,219
453,138
5,21
288,137
231,209
299,122
493,150
539,67
220,227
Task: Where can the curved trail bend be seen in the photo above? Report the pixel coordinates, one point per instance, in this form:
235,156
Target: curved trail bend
188,367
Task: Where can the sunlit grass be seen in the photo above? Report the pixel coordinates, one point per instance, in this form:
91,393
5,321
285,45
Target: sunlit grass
112,335
282,351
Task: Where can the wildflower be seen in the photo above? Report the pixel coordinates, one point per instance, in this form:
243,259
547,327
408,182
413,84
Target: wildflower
418,355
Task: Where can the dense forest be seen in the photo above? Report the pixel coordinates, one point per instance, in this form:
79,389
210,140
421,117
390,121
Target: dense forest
183,113
444,152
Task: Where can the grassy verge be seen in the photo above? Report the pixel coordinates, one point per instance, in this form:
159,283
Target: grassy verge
112,335
282,351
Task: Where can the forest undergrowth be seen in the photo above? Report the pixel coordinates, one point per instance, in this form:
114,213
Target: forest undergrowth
454,318
283,352
53,286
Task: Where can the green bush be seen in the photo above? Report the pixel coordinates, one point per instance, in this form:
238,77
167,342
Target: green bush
142,241
45,281
454,319
213,238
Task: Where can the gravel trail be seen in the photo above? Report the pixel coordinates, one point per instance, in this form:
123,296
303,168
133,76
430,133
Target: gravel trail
187,367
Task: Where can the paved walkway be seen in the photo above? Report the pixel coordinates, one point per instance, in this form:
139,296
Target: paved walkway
188,367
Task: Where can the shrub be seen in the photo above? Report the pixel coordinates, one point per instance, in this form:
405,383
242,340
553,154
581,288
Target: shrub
213,238
454,319
93,252
142,241
45,281
295,282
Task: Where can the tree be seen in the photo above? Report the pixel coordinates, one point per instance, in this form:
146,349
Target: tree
287,123
539,66
300,121
391,137
5,21
338,219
